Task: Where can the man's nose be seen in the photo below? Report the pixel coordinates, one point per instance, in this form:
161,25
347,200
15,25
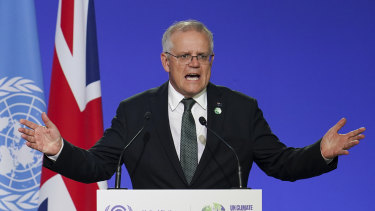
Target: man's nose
194,61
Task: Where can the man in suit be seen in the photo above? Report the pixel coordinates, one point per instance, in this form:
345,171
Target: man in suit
174,150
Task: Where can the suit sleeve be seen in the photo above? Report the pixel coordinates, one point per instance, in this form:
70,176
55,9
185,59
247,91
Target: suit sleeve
99,162
282,162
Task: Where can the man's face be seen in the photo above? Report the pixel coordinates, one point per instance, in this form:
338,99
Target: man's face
188,79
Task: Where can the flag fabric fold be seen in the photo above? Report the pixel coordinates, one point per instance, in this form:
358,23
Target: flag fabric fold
75,101
21,97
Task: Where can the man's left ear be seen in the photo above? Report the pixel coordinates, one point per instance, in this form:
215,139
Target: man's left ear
212,60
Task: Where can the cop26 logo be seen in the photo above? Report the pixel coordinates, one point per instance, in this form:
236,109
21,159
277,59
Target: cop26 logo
20,166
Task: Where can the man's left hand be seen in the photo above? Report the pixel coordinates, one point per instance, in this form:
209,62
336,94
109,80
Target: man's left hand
334,144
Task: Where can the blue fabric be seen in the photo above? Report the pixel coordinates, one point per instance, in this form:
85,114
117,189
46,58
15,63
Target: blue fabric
21,97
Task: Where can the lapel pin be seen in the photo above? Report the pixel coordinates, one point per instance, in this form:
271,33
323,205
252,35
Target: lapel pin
217,110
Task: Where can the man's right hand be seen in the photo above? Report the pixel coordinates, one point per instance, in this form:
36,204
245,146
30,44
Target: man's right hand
46,139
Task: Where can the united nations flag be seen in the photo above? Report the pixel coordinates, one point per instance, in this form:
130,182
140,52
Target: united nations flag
21,97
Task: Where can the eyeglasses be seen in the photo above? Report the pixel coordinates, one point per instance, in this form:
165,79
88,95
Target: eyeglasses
187,58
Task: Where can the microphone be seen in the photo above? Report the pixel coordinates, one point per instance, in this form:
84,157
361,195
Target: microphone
147,116
203,122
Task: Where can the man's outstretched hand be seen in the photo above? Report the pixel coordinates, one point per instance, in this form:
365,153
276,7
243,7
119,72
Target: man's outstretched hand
334,144
46,139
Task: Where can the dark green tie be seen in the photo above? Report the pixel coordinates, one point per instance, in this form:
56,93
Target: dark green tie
189,148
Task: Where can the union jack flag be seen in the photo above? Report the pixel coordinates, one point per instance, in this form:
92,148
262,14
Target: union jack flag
75,101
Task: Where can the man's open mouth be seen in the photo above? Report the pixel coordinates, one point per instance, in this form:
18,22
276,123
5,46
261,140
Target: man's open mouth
192,76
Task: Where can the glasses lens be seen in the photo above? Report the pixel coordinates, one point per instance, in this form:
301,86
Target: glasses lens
204,59
185,59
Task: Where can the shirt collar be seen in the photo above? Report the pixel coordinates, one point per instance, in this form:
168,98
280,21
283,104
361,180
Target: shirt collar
174,97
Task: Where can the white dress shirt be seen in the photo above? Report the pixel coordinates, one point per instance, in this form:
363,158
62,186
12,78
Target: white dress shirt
175,111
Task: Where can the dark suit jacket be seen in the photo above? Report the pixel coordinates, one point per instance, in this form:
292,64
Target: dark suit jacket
152,161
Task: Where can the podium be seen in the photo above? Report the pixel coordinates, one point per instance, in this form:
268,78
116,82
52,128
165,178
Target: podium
179,200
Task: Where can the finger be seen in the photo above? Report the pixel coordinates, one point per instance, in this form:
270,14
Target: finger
47,121
356,132
26,131
339,124
343,152
28,123
351,144
28,138
32,145
357,137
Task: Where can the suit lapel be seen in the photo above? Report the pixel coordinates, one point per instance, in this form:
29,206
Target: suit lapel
159,108
214,122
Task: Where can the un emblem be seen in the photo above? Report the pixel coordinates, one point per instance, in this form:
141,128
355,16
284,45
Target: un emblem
20,166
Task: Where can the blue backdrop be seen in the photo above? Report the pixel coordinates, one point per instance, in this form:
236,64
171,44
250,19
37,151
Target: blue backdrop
308,63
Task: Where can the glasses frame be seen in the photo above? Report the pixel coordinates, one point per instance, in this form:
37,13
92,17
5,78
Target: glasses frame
192,57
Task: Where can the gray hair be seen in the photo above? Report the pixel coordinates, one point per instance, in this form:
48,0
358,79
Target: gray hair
184,26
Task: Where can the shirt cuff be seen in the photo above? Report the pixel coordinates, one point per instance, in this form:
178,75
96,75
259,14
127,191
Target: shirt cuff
328,161
54,157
